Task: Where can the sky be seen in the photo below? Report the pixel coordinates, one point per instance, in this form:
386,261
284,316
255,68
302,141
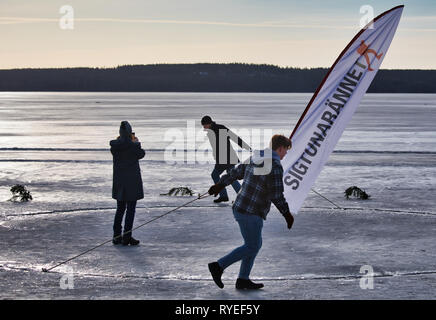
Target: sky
287,33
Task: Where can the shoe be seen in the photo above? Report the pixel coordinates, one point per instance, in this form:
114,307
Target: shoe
130,240
117,239
221,199
244,284
216,272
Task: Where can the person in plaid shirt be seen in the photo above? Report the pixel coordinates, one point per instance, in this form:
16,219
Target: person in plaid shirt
263,184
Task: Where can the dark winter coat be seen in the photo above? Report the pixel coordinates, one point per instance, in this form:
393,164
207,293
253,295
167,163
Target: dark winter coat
127,181
223,152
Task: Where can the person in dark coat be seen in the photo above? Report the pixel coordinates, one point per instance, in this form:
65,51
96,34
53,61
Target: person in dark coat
127,182
223,152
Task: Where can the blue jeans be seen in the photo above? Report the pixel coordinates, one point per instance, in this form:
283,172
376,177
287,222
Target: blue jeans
251,230
216,173
130,216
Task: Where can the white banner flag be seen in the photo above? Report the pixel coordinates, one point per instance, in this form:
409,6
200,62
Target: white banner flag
333,104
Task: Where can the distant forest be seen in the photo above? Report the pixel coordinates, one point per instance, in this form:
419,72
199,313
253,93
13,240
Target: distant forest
202,77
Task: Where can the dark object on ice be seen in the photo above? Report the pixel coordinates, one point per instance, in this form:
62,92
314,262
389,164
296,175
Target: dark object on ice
20,194
127,181
357,192
247,284
221,199
184,191
130,240
216,272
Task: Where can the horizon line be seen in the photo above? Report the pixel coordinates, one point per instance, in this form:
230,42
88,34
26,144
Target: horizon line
191,63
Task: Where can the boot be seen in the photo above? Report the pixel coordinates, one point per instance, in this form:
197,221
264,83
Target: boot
117,239
242,284
130,240
221,199
216,272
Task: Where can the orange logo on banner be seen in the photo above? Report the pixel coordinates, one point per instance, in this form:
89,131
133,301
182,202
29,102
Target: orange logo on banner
364,50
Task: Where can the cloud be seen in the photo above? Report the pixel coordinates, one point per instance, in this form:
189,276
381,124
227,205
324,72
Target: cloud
269,24
21,20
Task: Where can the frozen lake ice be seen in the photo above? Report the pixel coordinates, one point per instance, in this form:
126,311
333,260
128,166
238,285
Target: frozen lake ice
57,145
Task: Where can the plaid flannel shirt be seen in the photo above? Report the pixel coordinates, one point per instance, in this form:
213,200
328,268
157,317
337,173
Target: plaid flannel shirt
258,190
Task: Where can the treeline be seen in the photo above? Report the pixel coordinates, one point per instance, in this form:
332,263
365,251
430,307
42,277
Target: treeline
202,77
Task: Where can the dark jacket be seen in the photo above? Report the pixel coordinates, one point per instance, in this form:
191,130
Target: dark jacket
127,181
223,152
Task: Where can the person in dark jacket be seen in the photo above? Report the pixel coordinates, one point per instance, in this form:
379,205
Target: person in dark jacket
263,184
223,152
127,182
